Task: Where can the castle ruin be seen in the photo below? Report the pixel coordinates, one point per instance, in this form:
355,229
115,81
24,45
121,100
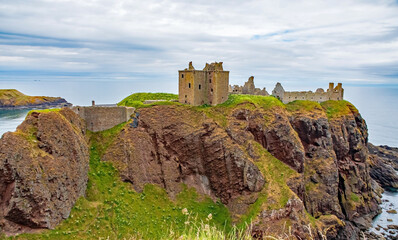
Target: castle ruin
332,93
103,117
207,86
248,88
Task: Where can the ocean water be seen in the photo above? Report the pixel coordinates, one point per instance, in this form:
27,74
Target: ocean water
389,202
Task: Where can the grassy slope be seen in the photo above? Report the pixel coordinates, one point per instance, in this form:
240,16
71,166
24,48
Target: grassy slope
335,109
136,100
113,209
14,97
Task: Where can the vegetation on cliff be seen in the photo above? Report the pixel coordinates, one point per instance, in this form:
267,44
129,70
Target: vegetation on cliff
137,99
248,138
112,209
13,98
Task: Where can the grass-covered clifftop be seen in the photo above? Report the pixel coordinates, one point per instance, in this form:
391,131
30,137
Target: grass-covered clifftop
137,99
296,163
12,98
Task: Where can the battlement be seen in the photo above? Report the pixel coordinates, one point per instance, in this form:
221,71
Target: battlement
332,93
207,86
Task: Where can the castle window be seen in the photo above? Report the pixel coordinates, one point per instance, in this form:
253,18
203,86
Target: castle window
189,85
185,96
182,75
211,90
209,80
200,86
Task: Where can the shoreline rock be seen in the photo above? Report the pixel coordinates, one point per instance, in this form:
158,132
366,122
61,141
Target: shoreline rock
60,103
12,99
384,164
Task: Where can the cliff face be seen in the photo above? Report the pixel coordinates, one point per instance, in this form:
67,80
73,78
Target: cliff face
301,169
173,146
43,171
330,153
215,151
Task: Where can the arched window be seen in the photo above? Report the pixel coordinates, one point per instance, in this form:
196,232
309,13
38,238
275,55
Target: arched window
200,86
189,85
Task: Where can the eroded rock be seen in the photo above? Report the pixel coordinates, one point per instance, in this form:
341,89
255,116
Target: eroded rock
43,171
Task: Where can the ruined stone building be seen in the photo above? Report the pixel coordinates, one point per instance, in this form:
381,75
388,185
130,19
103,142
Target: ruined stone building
248,88
207,86
103,117
332,93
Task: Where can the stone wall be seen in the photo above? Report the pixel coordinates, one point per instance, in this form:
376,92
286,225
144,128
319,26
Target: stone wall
207,86
248,88
332,93
100,118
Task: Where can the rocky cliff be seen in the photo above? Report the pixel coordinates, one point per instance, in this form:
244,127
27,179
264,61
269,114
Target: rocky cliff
43,171
384,164
13,99
217,151
299,170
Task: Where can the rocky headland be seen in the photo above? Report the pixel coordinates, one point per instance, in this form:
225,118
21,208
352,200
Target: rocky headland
301,170
13,99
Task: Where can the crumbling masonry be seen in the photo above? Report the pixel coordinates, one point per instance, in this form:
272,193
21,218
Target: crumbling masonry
332,93
248,88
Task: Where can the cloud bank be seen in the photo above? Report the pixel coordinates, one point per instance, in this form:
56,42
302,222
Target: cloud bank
293,42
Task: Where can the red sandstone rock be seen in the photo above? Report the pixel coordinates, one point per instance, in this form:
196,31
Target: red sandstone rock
43,171
173,145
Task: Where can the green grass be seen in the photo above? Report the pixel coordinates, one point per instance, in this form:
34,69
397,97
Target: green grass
113,209
302,105
10,93
220,112
136,100
265,102
354,197
335,109
43,110
276,174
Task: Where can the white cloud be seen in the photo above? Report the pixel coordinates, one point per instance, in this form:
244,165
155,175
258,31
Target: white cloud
305,41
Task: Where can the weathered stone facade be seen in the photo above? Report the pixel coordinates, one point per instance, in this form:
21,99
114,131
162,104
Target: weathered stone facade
248,88
207,86
332,93
100,118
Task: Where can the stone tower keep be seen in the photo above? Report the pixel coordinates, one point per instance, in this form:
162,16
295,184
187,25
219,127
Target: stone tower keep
207,86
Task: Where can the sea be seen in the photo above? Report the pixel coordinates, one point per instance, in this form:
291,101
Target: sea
378,105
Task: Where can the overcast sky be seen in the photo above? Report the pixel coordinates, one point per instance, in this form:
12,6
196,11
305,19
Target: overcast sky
354,42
